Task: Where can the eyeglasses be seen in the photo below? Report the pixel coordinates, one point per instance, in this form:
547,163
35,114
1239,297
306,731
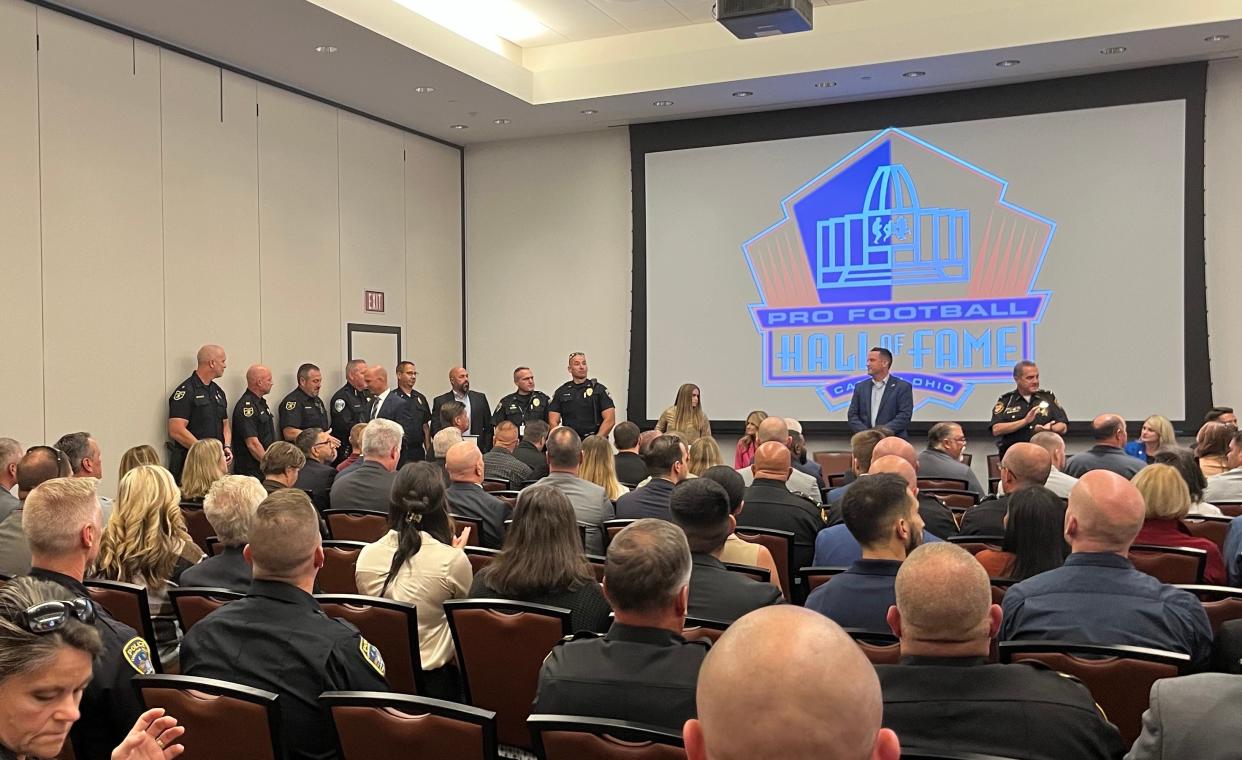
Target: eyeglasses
50,616
324,443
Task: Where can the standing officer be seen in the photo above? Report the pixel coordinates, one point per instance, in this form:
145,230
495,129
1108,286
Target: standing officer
1026,410
525,404
350,405
583,403
198,409
409,409
253,423
303,408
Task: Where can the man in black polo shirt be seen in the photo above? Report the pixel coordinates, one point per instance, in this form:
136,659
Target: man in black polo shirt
198,409
769,504
582,403
253,423
351,404
303,408
668,463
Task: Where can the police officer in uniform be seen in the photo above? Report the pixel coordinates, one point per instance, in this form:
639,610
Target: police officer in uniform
198,409
303,408
253,424
1026,410
583,403
350,405
523,405
409,409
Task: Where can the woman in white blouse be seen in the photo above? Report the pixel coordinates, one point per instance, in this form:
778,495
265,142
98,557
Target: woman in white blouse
420,562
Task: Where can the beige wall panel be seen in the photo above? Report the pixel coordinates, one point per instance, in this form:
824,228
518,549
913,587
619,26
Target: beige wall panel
372,181
211,218
103,289
1223,227
299,238
433,252
21,331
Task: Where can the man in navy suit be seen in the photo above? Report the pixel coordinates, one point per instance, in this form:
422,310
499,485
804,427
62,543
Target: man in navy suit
886,400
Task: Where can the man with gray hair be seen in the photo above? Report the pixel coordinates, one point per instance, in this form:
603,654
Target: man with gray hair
442,441
799,482
590,502
229,506
943,456
39,464
1109,433
10,453
368,486
642,670
86,460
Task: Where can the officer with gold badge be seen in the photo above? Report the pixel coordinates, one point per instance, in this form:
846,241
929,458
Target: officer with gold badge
583,403
198,409
1026,410
523,405
253,427
303,408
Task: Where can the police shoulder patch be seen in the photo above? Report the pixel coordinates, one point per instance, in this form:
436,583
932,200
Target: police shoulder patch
248,410
372,655
291,405
339,405
178,395
138,654
1000,405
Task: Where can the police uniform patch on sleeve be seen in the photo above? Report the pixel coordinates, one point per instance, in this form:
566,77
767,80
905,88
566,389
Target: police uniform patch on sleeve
248,410
138,654
999,406
372,655
180,394
291,405
338,406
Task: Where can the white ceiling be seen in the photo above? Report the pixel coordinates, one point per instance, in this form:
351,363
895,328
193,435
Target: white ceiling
617,57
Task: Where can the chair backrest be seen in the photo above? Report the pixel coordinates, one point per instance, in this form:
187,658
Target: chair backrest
952,497
1118,677
479,557
999,587
967,458
936,754
500,647
127,602
568,737
881,648
1230,508
781,544
476,529
949,484
1214,529
1221,603
491,485
191,604
993,466
340,558
834,462
702,628
196,525
836,480
214,547
220,718
365,525
761,574
391,626
597,564
814,577
612,528
976,544
371,725
1170,564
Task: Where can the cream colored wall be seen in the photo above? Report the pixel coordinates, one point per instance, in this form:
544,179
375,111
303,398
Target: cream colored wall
146,210
1222,201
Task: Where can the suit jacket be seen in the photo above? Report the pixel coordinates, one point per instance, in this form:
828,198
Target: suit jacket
480,417
226,570
367,487
631,468
1192,716
470,500
770,505
533,458
937,464
717,593
896,406
812,468
317,478
14,551
649,501
591,505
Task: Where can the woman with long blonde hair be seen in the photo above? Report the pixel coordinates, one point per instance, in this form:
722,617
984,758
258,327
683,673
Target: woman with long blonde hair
204,465
599,466
1157,433
704,453
744,454
685,417
135,456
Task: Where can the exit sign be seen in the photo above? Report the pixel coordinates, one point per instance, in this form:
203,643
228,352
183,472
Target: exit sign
374,301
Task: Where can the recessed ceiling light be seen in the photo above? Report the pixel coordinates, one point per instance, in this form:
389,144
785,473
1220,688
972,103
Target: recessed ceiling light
326,48
424,90
588,112
743,94
662,103
1008,63
914,74
1216,38
501,121
825,84
458,126
1118,50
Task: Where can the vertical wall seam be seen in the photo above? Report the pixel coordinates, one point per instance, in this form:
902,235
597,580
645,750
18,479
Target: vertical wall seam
163,219
42,263
258,210
340,297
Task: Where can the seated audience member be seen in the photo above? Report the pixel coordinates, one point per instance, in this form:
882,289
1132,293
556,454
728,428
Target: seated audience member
642,670
499,463
773,429
282,462
420,562
278,639
542,562
630,467
1191,716
946,696
667,459
229,507
883,516
38,465
1025,465
1212,448
685,418
937,518
1183,460
10,455
1227,486
784,682
355,448
744,452
1156,433
736,550
598,467
1109,433
797,448
467,498
1222,414
1034,539
1167,500
862,447
135,456
769,504
704,454
644,442
146,543
530,451
63,525
204,465
1097,597
1058,482
454,414
700,508
442,441
368,486
591,504
316,476
86,461
943,456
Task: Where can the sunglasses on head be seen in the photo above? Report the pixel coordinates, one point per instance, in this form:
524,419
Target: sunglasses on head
51,616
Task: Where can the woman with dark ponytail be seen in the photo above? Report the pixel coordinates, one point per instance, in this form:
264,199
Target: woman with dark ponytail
420,562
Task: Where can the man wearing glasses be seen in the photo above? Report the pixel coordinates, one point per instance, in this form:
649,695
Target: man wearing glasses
943,456
317,476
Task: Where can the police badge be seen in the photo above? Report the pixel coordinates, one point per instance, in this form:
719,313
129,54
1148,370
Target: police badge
536,401
291,405
180,394
248,411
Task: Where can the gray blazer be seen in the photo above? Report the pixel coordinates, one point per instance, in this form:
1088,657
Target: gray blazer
1192,717
591,505
367,487
799,482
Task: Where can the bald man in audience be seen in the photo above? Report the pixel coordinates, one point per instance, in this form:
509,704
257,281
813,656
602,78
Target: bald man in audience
937,518
10,455
1058,482
945,696
769,504
590,502
788,683
37,466
775,429
500,463
1097,597
1108,453
1023,466
466,496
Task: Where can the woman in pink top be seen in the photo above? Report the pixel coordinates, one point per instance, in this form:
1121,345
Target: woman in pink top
746,445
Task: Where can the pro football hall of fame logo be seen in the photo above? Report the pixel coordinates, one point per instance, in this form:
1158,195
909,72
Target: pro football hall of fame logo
902,245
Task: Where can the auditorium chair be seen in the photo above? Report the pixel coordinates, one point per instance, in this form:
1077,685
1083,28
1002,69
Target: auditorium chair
967,458
781,544
976,544
221,719
372,725
993,472
949,484
479,557
3,579
192,603
952,497
1213,528
597,564
391,626
814,577
491,485
999,587
881,648
127,602
702,628
1170,564
761,574
1118,677
1230,508
214,547
836,480
196,524
508,497
834,462
365,525
1221,603
908,753
476,528
569,737
340,559
500,647
612,528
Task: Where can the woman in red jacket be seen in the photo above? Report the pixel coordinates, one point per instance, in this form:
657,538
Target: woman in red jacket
1168,501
